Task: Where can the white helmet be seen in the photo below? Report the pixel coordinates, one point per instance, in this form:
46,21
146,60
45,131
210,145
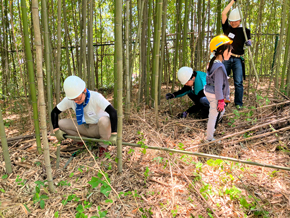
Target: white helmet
235,15
184,74
73,87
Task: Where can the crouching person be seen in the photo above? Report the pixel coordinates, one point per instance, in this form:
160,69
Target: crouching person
95,116
193,83
217,86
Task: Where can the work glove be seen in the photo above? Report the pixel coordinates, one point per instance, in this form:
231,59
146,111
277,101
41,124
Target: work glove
59,134
221,105
113,139
182,115
248,43
169,96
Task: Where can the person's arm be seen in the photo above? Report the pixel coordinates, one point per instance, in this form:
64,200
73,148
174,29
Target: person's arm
113,118
249,42
184,91
54,117
226,10
218,84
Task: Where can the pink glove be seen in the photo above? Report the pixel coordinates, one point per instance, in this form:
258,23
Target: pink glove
221,105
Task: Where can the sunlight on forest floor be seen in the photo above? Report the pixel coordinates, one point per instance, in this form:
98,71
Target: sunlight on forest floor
156,183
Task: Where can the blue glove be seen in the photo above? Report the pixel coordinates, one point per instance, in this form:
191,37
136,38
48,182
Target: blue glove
169,96
248,43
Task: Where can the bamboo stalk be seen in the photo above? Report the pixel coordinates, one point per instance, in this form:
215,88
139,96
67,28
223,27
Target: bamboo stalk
187,152
57,156
7,160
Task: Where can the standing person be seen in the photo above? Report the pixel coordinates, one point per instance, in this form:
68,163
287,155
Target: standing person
95,116
235,32
193,83
217,86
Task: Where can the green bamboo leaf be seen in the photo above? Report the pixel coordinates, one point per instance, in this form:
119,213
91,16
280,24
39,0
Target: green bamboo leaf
42,204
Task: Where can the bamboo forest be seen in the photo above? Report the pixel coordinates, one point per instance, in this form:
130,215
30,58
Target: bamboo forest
145,108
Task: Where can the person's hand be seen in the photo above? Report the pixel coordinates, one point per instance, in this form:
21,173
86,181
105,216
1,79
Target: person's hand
221,105
182,115
59,134
113,139
169,96
248,43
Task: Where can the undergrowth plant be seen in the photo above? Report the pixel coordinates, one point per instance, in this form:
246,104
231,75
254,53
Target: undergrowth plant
105,187
39,197
81,207
141,142
20,181
146,174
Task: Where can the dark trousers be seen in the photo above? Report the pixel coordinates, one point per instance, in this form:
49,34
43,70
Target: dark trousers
235,64
201,104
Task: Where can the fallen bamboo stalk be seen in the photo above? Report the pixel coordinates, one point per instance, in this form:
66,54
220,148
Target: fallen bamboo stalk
266,141
19,137
186,152
259,136
271,105
241,132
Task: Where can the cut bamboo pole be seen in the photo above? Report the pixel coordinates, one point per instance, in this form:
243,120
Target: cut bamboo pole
186,152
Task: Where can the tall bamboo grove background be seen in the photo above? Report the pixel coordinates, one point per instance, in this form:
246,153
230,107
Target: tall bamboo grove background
158,37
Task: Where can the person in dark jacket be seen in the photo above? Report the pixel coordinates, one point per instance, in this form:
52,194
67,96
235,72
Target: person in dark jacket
193,82
233,29
217,86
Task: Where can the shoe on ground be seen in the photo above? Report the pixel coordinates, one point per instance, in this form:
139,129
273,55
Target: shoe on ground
80,144
102,151
213,139
207,140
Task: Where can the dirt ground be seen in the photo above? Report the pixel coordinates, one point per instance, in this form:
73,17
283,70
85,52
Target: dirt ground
156,183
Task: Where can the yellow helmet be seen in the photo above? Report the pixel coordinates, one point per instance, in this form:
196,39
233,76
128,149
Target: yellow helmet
218,41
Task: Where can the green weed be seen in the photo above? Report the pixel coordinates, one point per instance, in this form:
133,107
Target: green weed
20,181
175,211
105,188
37,197
146,174
63,183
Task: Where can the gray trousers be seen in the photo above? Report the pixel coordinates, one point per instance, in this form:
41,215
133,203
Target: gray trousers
100,130
213,113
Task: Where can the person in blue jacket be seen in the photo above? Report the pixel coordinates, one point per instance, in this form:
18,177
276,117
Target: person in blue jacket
193,82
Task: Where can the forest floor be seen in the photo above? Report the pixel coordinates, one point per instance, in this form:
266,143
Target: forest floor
157,183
